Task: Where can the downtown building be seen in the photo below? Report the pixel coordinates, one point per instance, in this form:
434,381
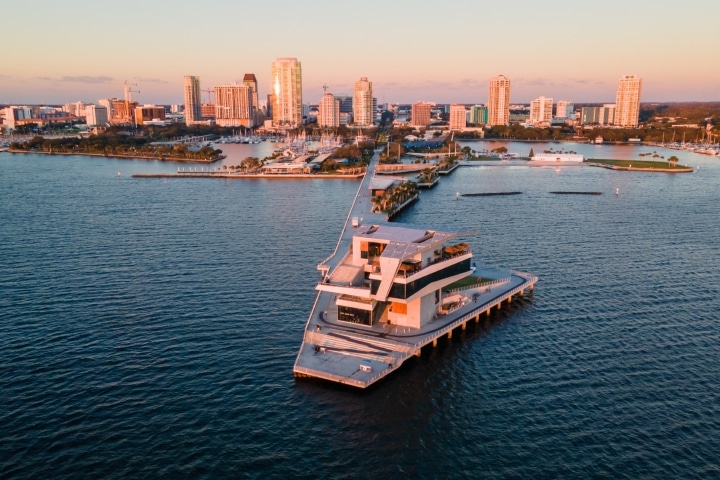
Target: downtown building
541,111
499,101
363,112
250,80
193,102
420,115
329,111
565,110
286,88
479,115
458,116
604,115
234,106
96,115
627,101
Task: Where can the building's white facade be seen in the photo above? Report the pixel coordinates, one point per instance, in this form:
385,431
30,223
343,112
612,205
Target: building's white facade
541,110
193,102
458,116
329,111
234,105
565,109
13,114
396,275
286,78
96,115
627,101
499,101
363,102
74,108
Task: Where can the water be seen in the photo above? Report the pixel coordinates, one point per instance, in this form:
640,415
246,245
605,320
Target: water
148,328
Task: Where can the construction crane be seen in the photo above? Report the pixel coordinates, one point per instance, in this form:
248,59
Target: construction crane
210,92
128,98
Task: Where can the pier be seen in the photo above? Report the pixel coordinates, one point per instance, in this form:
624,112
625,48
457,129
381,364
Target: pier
358,354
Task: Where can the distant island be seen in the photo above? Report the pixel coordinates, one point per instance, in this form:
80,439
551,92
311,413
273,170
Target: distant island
671,166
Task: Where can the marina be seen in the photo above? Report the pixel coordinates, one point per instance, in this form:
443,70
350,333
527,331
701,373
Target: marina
385,293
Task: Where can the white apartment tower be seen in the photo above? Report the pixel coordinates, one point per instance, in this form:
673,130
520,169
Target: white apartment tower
627,101
363,102
458,116
565,109
193,103
329,111
234,106
286,77
541,110
499,101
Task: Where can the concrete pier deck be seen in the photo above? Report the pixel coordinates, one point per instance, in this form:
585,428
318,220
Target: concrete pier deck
360,355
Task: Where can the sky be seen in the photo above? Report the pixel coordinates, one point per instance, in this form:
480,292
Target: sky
55,52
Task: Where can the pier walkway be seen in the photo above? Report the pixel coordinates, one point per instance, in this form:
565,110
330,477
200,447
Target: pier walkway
360,355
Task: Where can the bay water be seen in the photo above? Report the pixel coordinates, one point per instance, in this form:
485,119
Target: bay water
148,327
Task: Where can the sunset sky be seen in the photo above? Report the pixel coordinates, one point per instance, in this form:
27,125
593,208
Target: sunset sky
440,51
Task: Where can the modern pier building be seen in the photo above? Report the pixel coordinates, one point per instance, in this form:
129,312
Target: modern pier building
387,291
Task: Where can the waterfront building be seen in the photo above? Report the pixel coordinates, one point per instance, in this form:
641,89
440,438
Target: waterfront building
420,114
604,115
250,80
565,109
286,77
193,103
541,110
499,101
478,115
95,115
234,105
363,103
329,111
458,116
395,275
627,101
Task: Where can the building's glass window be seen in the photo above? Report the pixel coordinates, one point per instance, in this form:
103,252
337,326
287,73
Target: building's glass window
354,315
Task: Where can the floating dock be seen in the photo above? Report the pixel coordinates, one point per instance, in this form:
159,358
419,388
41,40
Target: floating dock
376,309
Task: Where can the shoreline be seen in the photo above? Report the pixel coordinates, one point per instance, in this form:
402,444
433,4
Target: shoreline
131,157
244,176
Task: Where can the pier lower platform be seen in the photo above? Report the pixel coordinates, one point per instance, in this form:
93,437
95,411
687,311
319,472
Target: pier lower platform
359,356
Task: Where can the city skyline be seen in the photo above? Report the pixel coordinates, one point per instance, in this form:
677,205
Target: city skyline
668,47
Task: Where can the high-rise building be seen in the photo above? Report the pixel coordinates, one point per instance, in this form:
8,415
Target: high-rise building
250,80
627,101
541,110
565,109
193,102
458,116
499,101
286,77
234,106
420,114
329,111
363,102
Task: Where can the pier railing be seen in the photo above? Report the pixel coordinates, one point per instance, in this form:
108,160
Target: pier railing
480,285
